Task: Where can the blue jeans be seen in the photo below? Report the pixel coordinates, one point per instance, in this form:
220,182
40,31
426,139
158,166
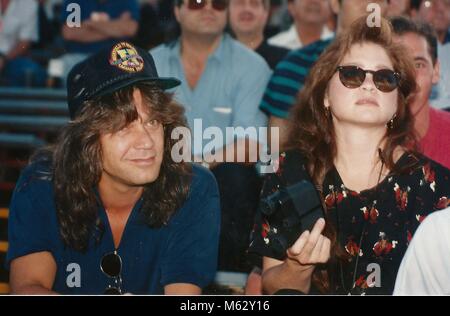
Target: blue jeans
24,72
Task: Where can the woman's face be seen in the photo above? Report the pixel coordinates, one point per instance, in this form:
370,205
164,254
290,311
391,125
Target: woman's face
366,105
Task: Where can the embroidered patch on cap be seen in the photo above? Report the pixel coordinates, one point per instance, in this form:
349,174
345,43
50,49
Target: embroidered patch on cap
125,56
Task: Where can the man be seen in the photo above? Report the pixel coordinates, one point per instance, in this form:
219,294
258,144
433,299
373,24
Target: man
247,20
222,84
310,19
103,22
435,12
399,7
18,30
432,125
290,74
107,210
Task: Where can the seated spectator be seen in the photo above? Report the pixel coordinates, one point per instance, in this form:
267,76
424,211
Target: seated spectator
106,209
103,22
310,19
432,125
435,12
247,19
18,30
151,31
425,267
222,82
399,7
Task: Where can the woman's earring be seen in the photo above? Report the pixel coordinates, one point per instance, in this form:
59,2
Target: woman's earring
390,124
328,112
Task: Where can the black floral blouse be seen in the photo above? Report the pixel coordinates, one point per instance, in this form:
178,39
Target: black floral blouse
374,226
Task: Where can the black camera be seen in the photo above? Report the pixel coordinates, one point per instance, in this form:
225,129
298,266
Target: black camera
290,211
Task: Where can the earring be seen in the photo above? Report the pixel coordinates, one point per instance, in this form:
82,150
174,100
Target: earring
328,112
390,124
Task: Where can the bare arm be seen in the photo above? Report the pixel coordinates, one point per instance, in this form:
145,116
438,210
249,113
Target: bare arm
182,289
21,48
33,274
296,271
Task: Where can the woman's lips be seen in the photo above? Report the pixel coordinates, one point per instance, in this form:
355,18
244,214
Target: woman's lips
143,161
367,101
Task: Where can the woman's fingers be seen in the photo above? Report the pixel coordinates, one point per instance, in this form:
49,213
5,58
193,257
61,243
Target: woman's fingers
325,251
297,247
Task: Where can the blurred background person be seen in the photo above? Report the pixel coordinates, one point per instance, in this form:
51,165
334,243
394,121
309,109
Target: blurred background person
222,82
431,125
18,31
399,7
103,22
435,12
248,19
309,24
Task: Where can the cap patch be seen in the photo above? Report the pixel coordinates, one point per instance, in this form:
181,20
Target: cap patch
125,56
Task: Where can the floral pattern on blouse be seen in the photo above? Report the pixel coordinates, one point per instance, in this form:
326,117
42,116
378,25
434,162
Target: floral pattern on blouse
374,226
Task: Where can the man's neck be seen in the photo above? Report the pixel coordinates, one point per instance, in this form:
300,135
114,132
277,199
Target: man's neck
251,40
422,120
308,33
118,198
198,48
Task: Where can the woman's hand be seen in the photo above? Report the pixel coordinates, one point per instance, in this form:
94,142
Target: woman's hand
311,248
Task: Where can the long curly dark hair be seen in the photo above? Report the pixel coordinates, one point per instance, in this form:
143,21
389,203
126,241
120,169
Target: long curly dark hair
311,127
77,163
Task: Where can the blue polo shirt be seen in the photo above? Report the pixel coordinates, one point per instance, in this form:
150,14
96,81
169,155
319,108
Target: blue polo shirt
184,251
114,8
289,78
229,90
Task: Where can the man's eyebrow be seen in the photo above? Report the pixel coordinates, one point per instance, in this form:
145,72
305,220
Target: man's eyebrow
421,58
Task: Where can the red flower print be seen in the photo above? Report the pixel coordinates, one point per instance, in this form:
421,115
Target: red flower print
353,249
383,246
443,202
401,197
420,218
372,214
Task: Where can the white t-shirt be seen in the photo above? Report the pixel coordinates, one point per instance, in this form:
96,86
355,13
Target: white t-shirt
18,23
289,39
425,269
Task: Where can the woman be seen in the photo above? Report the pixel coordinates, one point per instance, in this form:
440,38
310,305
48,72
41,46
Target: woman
352,125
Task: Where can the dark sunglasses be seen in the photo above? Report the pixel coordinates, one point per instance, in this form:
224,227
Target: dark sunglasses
219,5
352,77
111,266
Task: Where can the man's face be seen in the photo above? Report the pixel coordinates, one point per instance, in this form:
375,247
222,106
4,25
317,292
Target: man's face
435,12
204,21
133,155
350,10
310,11
248,16
427,74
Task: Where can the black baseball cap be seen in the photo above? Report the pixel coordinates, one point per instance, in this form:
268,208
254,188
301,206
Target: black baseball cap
109,70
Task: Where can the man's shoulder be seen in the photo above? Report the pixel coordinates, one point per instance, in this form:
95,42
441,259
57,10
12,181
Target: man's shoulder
441,116
162,52
36,175
245,57
202,179
311,51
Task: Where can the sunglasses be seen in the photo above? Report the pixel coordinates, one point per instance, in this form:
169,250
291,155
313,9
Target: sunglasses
219,5
352,77
111,266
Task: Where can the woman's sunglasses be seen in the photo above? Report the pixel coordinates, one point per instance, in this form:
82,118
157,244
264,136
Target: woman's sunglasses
219,5
352,77
111,266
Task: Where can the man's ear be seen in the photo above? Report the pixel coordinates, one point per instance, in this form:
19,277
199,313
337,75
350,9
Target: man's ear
176,12
335,6
291,8
436,72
